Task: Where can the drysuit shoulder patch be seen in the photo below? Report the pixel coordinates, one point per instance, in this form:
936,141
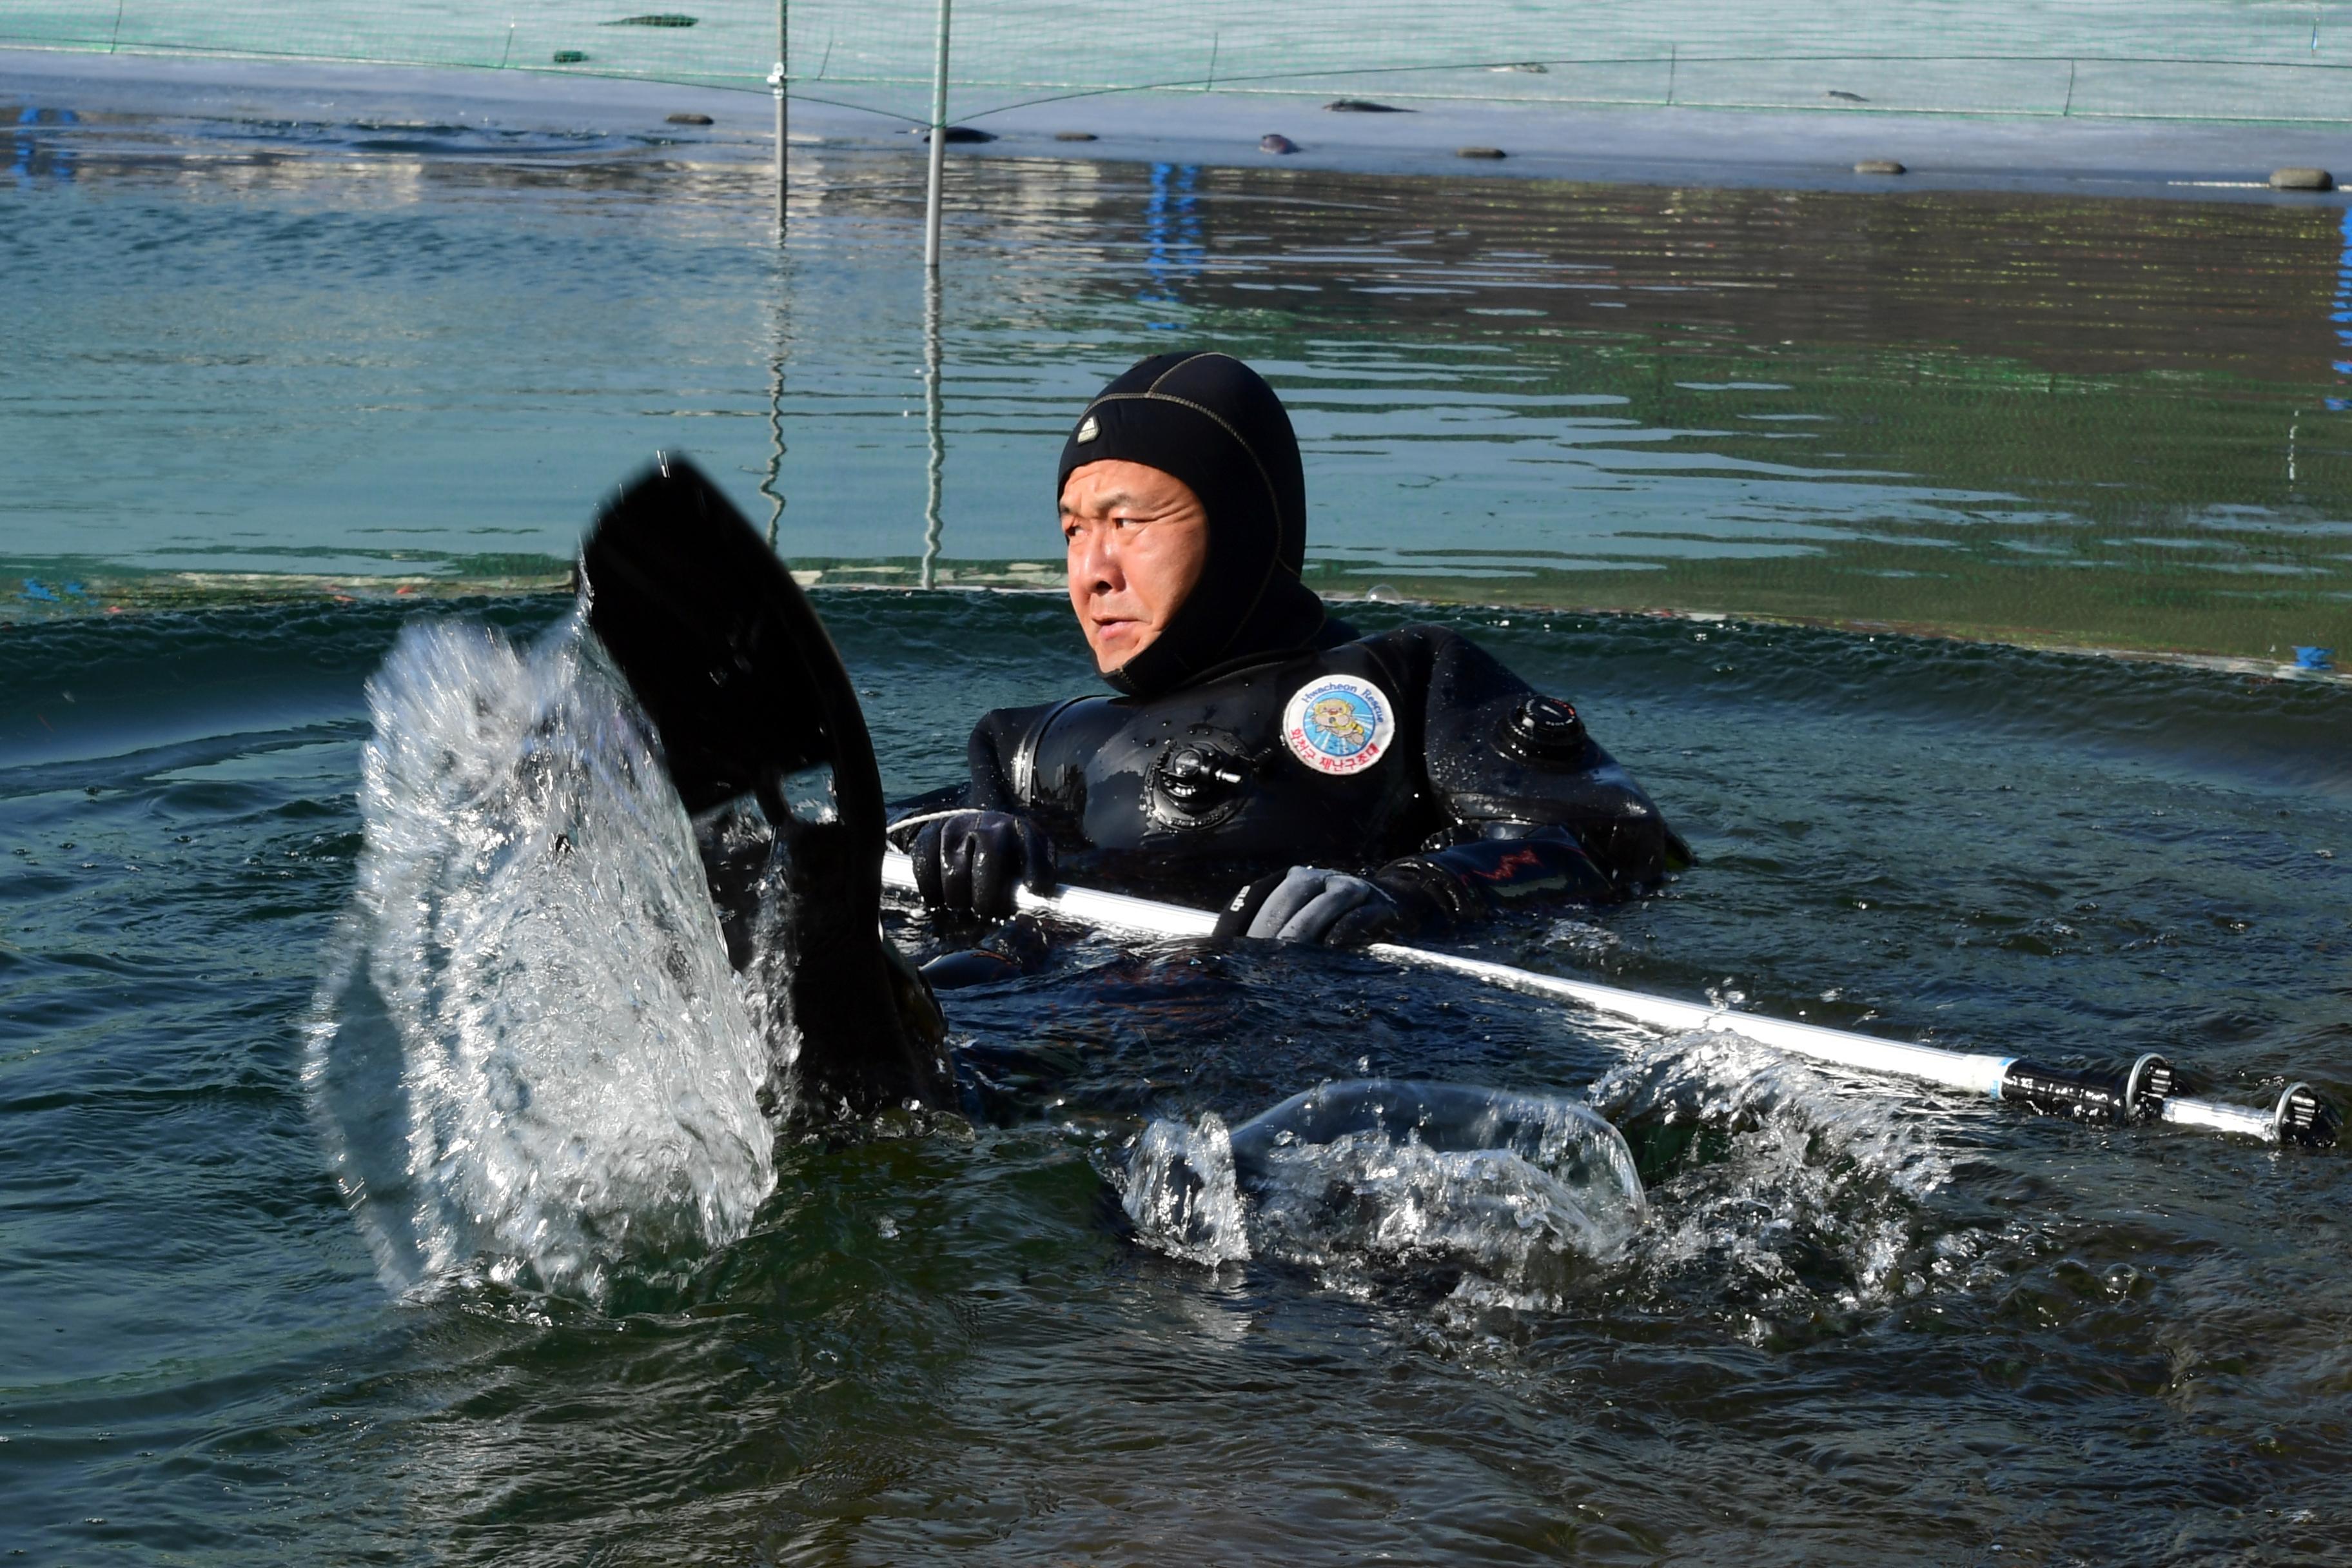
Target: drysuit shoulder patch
1338,724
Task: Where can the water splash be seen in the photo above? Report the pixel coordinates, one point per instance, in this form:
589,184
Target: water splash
1181,1192
1779,1188
1520,1193
530,1056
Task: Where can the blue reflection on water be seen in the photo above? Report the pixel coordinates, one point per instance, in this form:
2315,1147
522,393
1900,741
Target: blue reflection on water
38,158
1172,236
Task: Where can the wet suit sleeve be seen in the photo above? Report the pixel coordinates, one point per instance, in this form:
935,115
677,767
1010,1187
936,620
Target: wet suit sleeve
995,741
1536,809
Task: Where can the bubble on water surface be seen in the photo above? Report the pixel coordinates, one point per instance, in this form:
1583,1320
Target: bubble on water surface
1518,1194
530,1056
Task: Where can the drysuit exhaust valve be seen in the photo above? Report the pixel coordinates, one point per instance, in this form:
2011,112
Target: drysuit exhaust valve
1544,729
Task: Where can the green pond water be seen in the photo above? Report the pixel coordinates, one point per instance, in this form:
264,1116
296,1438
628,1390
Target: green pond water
331,351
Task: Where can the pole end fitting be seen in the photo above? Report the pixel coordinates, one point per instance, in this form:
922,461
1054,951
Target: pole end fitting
2303,1118
2146,1086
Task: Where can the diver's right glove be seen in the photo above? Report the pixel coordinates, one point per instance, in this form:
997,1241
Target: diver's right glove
968,864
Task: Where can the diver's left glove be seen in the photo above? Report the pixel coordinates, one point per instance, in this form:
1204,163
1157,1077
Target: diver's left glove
1438,890
970,863
1308,903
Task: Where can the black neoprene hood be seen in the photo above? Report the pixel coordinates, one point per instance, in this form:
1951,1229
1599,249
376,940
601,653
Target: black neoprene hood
1214,423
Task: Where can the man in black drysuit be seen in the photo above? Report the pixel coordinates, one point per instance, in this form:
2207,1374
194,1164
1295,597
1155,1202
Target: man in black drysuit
1352,788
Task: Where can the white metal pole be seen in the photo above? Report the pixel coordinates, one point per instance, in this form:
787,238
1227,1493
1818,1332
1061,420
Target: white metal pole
2000,1076
938,145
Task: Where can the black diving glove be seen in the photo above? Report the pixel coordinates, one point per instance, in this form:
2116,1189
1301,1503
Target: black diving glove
1308,903
1442,890
969,864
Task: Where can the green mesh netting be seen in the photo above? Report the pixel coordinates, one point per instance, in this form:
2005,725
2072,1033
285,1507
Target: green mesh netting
2225,59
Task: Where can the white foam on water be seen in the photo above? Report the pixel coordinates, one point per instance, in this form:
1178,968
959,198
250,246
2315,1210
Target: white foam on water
532,1057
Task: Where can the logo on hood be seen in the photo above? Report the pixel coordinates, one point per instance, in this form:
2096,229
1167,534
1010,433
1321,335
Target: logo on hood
1337,724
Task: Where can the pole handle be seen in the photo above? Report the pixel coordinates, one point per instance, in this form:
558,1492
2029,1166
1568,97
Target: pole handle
2091,1094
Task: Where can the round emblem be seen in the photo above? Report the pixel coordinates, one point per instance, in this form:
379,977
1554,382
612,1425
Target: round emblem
1339,725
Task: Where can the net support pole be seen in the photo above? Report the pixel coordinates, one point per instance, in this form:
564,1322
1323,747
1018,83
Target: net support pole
938,145
776,82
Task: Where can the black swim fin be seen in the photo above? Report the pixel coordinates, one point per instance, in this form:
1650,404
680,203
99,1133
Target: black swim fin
729,660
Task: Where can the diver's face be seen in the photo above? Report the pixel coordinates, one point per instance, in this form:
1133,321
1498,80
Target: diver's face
1137,539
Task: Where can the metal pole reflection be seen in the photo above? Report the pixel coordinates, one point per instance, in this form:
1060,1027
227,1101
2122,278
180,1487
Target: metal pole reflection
768,484
931,409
